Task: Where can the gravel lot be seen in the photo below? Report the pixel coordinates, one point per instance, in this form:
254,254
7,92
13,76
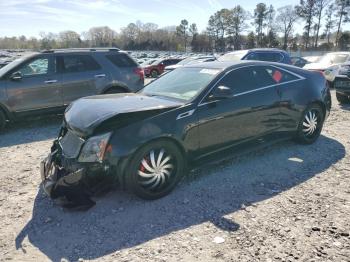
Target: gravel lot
284,202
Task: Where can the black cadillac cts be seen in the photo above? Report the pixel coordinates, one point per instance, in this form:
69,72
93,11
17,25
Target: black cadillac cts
144,141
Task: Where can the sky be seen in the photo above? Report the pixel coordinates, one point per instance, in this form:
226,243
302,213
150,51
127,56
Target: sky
30,17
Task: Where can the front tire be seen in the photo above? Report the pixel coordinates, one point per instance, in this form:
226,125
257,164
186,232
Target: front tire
342,99
2,121
310,125
154,74
155,169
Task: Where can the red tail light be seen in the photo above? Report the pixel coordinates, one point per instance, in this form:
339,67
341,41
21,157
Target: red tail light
139,71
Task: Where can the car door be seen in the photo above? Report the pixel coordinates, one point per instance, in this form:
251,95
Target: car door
252,111
80,75
37,85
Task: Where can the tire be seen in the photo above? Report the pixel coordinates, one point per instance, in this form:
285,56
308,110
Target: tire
310,125
148,184
115,90
154,73
2,121
342,99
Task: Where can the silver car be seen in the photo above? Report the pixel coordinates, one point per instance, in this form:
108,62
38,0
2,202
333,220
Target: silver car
48,81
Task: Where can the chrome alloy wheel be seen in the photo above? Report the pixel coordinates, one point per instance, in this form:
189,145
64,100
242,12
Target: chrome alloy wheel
310,123
155,170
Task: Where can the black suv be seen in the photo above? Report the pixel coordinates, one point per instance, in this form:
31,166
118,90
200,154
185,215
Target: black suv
48,81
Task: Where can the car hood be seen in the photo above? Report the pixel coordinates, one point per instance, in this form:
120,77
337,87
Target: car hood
318,66
86,114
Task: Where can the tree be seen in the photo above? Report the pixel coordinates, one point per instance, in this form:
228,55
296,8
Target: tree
69,39
329,22
286,18
182,31
237,24
306,10
260,15
101,36
250,40
342,7
320,5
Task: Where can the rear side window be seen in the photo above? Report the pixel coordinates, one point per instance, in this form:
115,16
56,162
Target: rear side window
121,60
268,56
79,63
280,76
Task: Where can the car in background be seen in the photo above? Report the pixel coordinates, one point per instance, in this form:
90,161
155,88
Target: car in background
258,54
48,81
144,141
299,61
312,59
329,64
190,60
157,67
342,84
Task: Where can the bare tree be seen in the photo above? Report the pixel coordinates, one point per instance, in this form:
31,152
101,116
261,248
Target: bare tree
342,7
286,18
320,5
306,10
330,22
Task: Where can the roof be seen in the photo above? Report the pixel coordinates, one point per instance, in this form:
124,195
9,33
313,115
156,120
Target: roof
68,50
233,64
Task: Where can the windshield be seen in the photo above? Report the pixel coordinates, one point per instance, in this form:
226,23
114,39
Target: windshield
186,61
334,58
234,56
183,83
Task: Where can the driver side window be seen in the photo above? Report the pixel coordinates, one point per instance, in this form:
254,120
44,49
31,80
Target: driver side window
246,79
39,66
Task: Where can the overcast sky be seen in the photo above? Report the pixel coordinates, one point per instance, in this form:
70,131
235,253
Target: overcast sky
29,17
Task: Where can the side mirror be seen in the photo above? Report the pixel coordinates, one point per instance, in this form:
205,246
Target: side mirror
221,92
16,76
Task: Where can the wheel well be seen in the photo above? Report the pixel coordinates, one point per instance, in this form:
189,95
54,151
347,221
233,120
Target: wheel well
4,111
323,107
116,88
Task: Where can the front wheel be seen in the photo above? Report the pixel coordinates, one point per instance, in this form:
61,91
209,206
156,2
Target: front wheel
154,73
310,125
342,99
155,170
2,120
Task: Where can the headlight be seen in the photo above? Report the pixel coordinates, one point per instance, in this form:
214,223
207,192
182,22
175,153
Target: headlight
95,148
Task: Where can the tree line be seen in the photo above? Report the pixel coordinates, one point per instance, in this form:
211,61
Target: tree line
228,29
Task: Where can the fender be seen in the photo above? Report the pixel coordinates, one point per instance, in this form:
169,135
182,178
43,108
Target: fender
8,114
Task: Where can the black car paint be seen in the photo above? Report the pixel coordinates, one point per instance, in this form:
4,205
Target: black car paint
209,125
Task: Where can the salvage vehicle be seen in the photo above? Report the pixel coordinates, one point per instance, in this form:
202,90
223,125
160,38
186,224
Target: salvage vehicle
146,141
342,84
46,82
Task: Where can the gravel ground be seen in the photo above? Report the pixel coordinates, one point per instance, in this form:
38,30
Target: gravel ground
284,202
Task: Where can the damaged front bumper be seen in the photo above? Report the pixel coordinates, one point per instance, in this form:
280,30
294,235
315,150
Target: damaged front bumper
56,180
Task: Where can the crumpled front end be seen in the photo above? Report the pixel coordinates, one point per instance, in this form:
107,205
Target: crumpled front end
64,177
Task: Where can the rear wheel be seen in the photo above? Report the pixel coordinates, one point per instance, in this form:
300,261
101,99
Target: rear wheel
342,99
2,121
310,126
155,170
154,73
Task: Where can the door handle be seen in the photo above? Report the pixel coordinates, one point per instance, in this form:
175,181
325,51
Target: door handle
50,81
100,76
